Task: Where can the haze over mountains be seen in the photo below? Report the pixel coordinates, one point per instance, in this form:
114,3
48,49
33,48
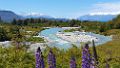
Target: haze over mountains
102,18
36,15
8,16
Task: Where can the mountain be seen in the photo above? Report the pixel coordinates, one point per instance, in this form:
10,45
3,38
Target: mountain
102,18
38,16
62,19
8,16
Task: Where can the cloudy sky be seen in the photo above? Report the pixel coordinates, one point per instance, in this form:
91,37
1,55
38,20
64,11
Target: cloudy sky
62,8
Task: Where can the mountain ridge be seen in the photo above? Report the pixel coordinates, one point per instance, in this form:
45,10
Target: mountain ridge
8,16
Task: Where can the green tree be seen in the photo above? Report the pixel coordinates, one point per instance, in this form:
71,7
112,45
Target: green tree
17,37
72,23
3,34
14,22
102,28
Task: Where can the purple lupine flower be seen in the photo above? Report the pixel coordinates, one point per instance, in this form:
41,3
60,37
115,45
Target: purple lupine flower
73,63
107,65
42,62
39,59
86,57
92,63
51,60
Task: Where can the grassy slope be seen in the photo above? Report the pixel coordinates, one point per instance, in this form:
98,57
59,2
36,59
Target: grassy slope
110,51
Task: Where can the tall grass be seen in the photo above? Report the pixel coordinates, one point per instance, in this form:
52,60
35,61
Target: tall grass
12,58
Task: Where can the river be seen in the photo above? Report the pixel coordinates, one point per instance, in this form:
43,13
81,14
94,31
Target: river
55,41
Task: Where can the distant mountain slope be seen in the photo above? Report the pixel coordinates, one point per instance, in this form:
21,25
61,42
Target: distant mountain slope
8,15
38,16
102,18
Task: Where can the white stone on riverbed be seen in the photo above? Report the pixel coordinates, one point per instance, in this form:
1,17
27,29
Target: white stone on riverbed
76,37
29,31
5,43
32,46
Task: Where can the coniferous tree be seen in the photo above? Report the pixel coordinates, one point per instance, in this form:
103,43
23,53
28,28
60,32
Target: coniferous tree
3,34
14,22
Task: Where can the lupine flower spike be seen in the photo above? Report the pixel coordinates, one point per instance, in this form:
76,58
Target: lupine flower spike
39,59
86,57
42,62
72,63
107,65
51,60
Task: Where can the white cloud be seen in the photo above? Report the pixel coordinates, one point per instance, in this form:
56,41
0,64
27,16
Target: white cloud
106,8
